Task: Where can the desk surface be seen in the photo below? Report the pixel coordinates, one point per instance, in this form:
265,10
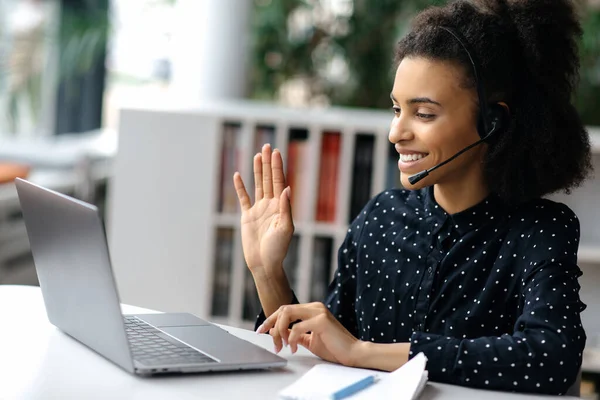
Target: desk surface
37,361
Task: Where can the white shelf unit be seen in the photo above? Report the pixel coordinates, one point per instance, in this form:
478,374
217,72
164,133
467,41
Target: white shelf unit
163,217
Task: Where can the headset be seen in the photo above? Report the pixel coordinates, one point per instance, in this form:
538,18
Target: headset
491,117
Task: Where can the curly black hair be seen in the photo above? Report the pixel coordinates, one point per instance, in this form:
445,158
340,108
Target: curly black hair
528,55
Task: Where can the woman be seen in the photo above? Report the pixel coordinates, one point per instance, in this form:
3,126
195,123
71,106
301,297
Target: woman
469,265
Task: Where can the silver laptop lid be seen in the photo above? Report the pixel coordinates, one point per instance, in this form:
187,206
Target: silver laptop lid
73,265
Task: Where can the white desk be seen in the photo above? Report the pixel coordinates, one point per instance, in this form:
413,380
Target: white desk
37,361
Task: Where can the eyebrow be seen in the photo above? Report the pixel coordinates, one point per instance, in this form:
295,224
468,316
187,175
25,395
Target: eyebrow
417,100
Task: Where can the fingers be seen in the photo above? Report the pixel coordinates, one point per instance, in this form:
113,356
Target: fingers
267,327
240,189
277,341
258,184
278,174
277,323
285,208
269,178
281,328
298,334
267,174
304,341
291,312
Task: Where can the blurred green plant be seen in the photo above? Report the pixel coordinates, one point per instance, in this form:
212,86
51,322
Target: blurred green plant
83,39
343,52
342,49
346,54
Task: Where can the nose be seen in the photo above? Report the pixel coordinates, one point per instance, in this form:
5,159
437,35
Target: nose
399,130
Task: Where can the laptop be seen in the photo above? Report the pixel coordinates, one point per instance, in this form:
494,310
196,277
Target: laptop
71,257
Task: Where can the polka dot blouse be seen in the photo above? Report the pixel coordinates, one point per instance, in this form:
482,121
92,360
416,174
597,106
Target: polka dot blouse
489,295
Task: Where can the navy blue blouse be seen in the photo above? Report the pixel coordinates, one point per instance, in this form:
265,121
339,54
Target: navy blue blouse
490,295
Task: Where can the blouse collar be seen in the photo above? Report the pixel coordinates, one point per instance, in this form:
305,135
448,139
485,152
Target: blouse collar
488,210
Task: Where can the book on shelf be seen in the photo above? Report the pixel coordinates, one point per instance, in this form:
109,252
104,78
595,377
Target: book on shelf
296,170
222,272
230,163
321,268
263,134
362,173
328,176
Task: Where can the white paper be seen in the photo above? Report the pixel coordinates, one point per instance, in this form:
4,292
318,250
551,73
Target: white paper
325,379
405,383
322,380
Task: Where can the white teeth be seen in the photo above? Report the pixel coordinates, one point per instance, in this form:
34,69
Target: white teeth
410,157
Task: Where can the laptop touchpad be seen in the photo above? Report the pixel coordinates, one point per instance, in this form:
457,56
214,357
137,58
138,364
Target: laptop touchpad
218,343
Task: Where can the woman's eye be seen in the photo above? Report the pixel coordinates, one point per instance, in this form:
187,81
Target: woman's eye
425,116
396,110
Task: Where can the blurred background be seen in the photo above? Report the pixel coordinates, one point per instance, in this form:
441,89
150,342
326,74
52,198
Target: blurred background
69,67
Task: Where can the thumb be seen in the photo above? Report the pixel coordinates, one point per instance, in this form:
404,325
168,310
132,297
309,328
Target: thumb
304,340
285,208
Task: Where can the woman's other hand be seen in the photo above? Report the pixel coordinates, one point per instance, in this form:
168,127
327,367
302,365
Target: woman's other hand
319,331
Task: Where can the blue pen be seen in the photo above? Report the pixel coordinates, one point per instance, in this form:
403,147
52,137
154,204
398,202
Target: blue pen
355,387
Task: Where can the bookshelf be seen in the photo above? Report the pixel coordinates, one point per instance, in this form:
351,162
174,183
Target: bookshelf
174,229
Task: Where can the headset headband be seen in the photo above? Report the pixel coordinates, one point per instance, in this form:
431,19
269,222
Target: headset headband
478,81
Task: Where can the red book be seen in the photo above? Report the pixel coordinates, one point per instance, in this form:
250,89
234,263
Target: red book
226,205
328,177
336,141
296,176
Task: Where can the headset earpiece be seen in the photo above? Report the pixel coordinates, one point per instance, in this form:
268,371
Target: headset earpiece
495,121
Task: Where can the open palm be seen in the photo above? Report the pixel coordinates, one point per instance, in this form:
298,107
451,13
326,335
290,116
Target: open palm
266,226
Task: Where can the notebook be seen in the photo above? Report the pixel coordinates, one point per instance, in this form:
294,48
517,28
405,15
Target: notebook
323,381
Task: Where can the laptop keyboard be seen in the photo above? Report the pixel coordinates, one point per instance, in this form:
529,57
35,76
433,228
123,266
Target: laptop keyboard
152,347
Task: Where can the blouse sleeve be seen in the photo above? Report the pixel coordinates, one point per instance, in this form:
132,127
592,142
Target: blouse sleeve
341,294
544,352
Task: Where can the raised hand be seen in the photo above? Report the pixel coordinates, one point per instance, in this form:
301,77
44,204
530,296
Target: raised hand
266,225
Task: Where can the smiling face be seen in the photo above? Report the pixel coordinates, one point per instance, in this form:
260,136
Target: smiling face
434,118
